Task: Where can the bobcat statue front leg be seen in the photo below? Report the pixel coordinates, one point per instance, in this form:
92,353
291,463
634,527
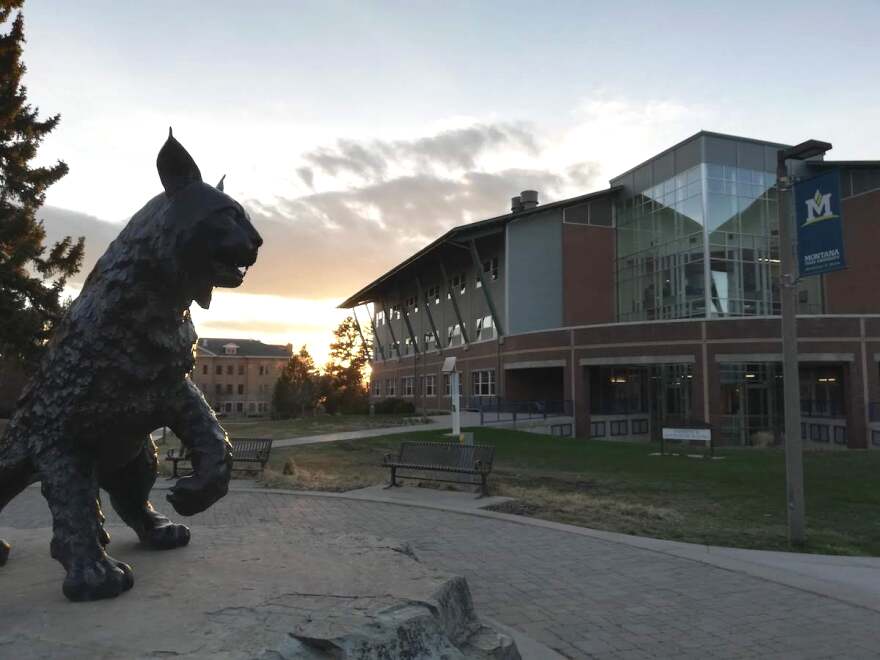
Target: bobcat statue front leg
211,453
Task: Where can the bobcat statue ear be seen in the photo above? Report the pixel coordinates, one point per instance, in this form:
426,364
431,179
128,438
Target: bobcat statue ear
176,167
220,183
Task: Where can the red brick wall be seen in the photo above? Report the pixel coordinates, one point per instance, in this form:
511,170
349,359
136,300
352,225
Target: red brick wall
854,291
587,274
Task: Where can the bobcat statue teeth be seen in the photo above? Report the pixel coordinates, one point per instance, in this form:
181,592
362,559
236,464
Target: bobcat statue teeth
118,367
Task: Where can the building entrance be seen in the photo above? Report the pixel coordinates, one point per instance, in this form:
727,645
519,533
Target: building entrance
635,402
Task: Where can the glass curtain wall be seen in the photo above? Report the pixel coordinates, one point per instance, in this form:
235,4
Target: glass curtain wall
702,243
660,264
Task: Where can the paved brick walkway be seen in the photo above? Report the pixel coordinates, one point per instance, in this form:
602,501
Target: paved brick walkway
583,596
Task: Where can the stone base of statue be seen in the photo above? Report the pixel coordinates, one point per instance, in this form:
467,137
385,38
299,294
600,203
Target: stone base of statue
268,593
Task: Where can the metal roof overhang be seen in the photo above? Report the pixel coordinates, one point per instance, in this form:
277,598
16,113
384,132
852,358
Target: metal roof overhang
469,231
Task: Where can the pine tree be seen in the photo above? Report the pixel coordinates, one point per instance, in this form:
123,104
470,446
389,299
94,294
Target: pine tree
32,279
346,369
298,387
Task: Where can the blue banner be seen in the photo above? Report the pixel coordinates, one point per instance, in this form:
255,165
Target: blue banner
818,216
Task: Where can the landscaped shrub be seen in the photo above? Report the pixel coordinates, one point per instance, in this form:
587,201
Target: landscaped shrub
394,406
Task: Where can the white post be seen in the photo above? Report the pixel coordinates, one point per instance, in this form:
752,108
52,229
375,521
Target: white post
456,403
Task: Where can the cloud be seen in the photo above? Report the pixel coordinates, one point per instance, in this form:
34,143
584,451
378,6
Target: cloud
63,222
453,149
330,242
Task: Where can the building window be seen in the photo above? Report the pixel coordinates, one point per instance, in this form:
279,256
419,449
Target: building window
453,335
218,370
230,349
483,382
252,407
205,369
430,341
241,389
218,389
408,346
229,369
239,407
227,407
380,317
241,370
430,385
490,270
407,384
262,370
485,328
413,304
389,387
433,294
377,387
229,388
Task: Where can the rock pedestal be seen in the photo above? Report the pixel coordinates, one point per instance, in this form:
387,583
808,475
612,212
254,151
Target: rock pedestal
272,594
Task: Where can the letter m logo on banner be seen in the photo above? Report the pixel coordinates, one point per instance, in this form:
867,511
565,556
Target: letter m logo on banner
819,208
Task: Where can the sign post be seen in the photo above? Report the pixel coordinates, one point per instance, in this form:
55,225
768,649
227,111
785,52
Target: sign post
794,459
454,394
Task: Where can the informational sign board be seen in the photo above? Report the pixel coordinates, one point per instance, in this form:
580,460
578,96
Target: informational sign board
819,224
688,434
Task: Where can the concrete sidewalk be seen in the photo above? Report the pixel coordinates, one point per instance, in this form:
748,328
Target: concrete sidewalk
434,424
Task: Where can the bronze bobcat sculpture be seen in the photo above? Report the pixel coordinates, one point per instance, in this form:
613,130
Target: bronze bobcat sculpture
117,367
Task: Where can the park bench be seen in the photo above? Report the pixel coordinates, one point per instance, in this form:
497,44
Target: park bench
250,451
436,461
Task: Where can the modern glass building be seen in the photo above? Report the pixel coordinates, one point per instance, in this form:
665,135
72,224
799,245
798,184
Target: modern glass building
651,303
697,233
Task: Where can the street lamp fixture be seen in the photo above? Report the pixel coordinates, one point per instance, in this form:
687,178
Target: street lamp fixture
794,464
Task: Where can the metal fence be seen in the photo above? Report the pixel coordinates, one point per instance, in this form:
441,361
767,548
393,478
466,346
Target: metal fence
494,409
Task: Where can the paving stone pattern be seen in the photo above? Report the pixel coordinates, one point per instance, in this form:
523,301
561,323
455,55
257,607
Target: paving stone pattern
584,597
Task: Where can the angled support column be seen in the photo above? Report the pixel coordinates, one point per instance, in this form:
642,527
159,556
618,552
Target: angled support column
475,256
428,312
451,295
394,341
412,335
376,333
361,333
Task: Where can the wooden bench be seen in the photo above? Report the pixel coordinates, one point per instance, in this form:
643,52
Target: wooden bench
434,460
244,450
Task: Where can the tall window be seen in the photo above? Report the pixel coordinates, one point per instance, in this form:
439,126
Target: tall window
389,387
453,335
490,271
485,328
483,382
377,387
407,385
430,386
204,368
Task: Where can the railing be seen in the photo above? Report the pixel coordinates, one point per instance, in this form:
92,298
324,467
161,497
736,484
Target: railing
823,408
506,410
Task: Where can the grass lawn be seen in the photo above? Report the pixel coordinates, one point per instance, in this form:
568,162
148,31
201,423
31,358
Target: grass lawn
738,501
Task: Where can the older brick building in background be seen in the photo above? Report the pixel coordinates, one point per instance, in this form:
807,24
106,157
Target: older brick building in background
651,302
237,376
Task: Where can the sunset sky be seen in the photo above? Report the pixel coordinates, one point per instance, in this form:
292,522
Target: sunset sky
355,132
